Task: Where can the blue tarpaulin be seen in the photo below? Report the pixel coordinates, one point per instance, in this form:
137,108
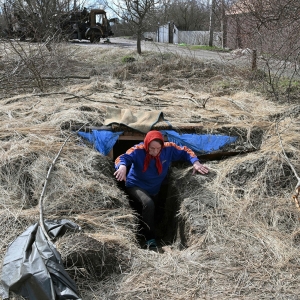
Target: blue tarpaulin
199,143
104,140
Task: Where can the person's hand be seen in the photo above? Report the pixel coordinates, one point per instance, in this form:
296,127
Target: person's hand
121,173
199,168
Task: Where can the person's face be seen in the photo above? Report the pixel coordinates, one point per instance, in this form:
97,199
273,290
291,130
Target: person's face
154,148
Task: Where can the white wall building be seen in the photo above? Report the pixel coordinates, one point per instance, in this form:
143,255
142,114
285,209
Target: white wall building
169,33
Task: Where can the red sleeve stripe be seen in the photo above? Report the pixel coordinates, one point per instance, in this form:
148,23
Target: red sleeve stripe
117,161
188,150
129,151
136,147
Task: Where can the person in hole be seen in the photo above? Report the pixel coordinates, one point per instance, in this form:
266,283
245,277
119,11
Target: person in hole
143,168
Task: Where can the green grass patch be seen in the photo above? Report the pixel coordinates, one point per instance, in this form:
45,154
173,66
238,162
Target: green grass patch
206,47
128,59
203,47
285,83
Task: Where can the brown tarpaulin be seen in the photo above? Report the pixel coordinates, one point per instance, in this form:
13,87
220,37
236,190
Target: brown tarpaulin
141,120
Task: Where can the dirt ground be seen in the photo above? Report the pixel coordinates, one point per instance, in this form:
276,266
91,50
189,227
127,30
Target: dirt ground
130,44
232,234
238,57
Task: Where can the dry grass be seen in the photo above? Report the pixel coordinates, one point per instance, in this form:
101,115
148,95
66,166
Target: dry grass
237,230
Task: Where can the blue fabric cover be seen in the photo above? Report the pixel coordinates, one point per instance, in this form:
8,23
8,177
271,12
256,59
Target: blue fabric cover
103,140
199,143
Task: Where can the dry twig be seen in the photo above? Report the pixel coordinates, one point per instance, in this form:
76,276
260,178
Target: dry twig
297,188
46,183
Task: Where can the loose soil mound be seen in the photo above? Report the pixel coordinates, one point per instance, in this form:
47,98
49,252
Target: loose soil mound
233,233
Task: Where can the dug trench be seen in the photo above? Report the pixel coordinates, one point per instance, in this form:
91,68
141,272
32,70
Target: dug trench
189,204
186,204
185,200
193,205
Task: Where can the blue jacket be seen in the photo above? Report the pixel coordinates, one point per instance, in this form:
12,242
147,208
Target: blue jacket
150,180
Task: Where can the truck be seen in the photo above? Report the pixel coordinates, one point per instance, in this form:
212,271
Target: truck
91,26
80,24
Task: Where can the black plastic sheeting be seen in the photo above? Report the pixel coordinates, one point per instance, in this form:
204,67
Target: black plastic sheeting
32,267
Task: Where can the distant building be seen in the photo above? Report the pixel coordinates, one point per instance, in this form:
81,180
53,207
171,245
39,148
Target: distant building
169,33
255,24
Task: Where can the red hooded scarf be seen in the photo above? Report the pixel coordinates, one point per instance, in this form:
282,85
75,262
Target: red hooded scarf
150,136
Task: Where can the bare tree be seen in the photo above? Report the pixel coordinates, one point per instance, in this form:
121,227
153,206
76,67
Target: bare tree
212,23
223,24
136,14
265,25
272,28
187,15
33,18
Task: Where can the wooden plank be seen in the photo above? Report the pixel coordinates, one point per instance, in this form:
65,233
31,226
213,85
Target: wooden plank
131,138
134,138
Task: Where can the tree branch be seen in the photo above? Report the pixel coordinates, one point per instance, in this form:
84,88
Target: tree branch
41,200
297,188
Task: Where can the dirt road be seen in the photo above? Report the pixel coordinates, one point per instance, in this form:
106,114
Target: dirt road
237,58
226,57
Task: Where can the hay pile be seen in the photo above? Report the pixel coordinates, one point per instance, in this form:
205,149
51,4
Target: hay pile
232,234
